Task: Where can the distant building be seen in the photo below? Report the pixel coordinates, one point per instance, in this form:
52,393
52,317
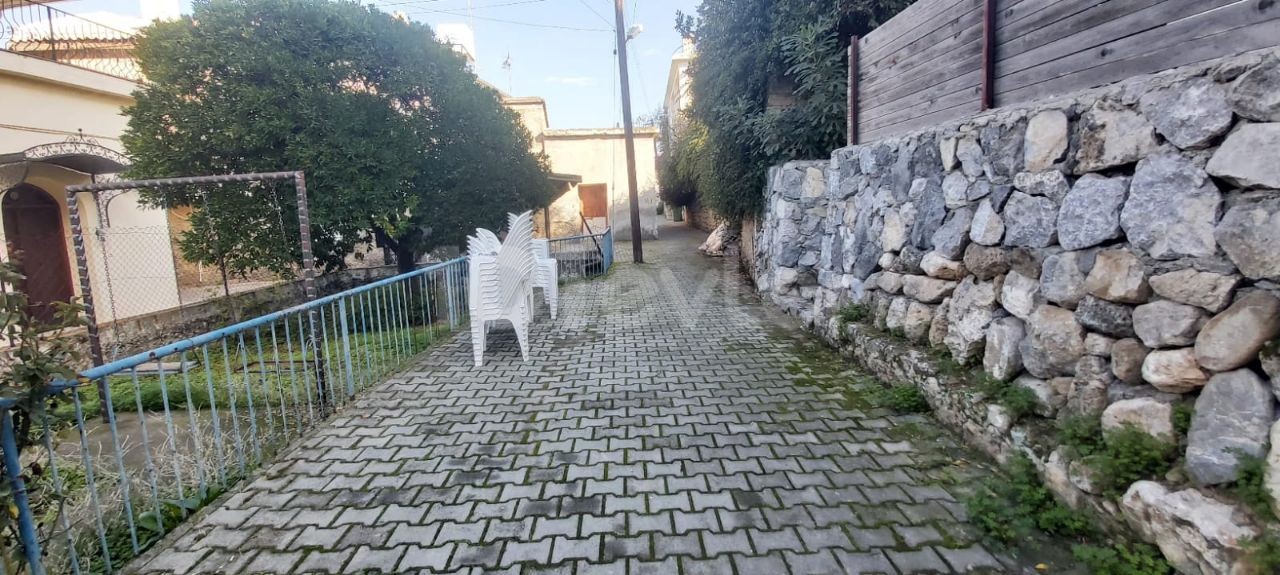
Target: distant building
591,167
679,95
461,38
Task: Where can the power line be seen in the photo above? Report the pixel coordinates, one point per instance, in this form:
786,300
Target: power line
597,14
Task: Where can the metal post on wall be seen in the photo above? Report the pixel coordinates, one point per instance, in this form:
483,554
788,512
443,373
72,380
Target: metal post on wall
988,54
851,120
86,294
309,285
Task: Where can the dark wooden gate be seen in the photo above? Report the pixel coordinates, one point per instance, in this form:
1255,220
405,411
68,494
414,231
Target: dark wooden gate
38,244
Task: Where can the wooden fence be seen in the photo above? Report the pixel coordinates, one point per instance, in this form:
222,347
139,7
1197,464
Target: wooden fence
939,60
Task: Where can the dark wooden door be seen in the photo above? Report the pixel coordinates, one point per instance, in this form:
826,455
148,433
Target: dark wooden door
37,243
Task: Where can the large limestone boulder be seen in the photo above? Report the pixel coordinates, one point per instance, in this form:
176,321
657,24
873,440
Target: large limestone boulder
1165,323
1149,415
1030,221
1020,295
1190,114
1172,208
1090,213
972,308
1197,534
1249,233
916,321
955,190
987,227
1233,415
1051,184
986,262
1247,157
894,234
951,238
1111,135
935,265
1045,141
1062,277
1003,358
1256,94
926,289
1233,338
973,161
1054,342
1173,370
1118,276
1050,395
931,211
1113,319
1127,356
938,326
1209,290
1087,390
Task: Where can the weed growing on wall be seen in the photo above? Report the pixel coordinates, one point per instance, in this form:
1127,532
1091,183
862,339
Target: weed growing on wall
1264,552
901,398
1122,559
1250,486
1130,455
1015,506
1082,434
1018,400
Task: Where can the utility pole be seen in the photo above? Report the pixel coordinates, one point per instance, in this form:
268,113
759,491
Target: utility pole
637,251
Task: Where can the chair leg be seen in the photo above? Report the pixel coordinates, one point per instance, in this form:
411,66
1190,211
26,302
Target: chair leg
477,341
521,326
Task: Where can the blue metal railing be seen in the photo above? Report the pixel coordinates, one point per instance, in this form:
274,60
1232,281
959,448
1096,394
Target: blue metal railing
182,423
583,256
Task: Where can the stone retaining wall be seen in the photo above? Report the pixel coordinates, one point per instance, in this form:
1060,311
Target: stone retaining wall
1116,252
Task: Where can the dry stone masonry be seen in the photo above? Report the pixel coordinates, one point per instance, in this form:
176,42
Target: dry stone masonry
1116,252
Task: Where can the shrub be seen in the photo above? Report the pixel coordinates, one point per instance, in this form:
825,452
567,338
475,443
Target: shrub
1012,507
854,313
1018,400
902,398
1182,413
1264,552
1118,559
1129,455
1082,434
1250,488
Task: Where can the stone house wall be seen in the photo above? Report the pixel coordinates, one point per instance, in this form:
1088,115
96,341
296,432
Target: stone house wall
1116,251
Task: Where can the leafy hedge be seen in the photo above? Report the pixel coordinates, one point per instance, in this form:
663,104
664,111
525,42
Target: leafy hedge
747,52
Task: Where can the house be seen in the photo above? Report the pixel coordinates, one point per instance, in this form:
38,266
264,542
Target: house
63,80
679,94
591,165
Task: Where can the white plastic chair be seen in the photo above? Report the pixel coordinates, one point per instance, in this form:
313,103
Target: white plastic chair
546,275
501,282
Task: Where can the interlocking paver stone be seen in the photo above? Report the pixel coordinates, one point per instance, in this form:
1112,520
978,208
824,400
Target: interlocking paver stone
659,425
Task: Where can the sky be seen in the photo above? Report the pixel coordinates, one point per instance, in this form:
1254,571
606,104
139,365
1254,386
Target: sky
561,50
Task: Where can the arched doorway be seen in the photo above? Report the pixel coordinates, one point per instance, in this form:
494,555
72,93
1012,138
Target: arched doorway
38,245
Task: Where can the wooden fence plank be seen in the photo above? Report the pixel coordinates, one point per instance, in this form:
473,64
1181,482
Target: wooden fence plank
1110,31
1145,47
943,79
932,118
929,51
1021,38
1252,27
909,26
965,95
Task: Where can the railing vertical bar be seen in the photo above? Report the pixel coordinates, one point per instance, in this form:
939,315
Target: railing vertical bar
448,290
270,436
293,375
338,379
73,555
275,358
30,541
423,297
366,374
376,307
406,308
91,481
202,471
255,443
327,362
393,326
306,369
105,386
346,348
168,426
146,450
213,413
430,295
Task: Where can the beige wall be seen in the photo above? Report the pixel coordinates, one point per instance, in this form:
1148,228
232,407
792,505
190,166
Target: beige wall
599,157
46,103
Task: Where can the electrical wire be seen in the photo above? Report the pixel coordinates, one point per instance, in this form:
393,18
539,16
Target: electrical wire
529,24
597,14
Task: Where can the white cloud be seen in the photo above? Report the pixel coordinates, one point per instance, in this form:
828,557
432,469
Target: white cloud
571,80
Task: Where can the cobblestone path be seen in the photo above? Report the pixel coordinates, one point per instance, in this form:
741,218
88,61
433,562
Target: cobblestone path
667,423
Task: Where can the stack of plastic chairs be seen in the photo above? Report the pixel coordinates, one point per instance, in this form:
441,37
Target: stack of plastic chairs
501,282
546,275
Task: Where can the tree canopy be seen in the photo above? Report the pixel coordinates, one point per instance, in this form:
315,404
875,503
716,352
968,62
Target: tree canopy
399,140
752,51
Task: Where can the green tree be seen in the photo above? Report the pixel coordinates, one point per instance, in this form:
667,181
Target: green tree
398,139
750,52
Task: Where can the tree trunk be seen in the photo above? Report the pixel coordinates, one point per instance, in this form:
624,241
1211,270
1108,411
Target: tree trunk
406,259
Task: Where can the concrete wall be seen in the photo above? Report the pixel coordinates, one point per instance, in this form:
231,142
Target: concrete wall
1115,252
